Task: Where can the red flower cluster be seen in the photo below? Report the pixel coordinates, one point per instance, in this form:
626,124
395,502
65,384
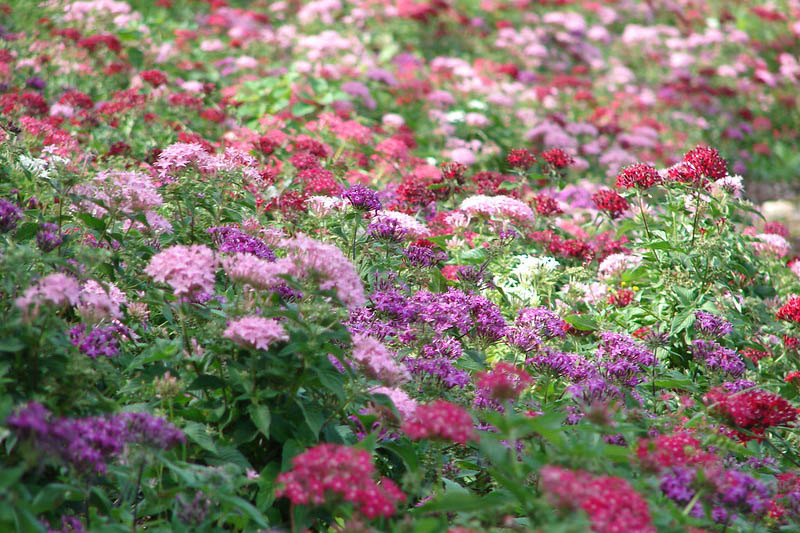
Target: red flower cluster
440,419
329,473
521,159
707,162
621,298
753,410
793,378
790,311
547,205
611,202
686,173
677,449
610,502
558,158
574,248
504,382
754,355
639,175
453,171
154,77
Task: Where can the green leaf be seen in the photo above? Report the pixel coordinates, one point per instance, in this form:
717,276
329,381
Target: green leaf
300,109
11,345
92,222
238,503
206,381
135,56
26,231
582,322
261,417
198,434
460,501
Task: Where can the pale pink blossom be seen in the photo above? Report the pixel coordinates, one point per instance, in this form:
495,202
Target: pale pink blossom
377,361
255,332
188,269
55,289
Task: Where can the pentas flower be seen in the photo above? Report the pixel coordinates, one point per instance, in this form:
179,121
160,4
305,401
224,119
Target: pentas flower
97,340
89,444
188,269
560,364
610,202
771,244
790,311
621,298
502,207
684,172
49,237
793,378
521,159
708,162
154,77
55,289
440,369
232,241
504,381
412,229
98,302
610,503
640,175
718,358
545,322
453,171
387,230
547,205
622,358
377,361
712,325
363,198
332,473
752,410
255,332
440,420
676,449
558,158
423,256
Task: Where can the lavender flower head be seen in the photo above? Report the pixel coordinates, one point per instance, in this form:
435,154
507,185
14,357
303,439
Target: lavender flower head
546,322
48,238
231,241
712,325
98,340
10,214
423,257
718,358
363,198
623,358
387,229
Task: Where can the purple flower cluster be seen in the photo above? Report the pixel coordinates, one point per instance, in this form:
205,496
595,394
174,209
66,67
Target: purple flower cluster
10,215
363,198
232,241
423,257
49,237
69,524
622,358
88,444
712,325
387,229
718,358
733,492
440,368
546,322
97,340
560,364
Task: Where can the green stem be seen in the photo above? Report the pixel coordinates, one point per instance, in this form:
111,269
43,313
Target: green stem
355,235
135,494
696,216
644,220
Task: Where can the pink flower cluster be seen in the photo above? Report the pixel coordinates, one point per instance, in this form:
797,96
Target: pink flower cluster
123,192
503,207
413,229
330,473
56,289
440,420
610,502
377,361
258,273
98,302
176,157
188,269
255,332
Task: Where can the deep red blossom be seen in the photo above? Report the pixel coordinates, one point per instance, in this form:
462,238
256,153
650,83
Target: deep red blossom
676,449
640,175
753,410
521,159
504,381
331,473
154,77
610,202
558,158
267,145
610,503
621,298
790,311
547,205
708,162
440,420
304,160
453,171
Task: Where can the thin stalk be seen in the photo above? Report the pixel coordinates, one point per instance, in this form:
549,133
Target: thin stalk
696,216
355,236
646,227
135,494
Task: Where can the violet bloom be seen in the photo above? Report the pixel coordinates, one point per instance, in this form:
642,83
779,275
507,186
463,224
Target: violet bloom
676,484
718,358
423,257
98,340
712,325
556,364
151,431
48,238
623,359
10,215
36,83
440,368
387,230
363,198
546,322
231,241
